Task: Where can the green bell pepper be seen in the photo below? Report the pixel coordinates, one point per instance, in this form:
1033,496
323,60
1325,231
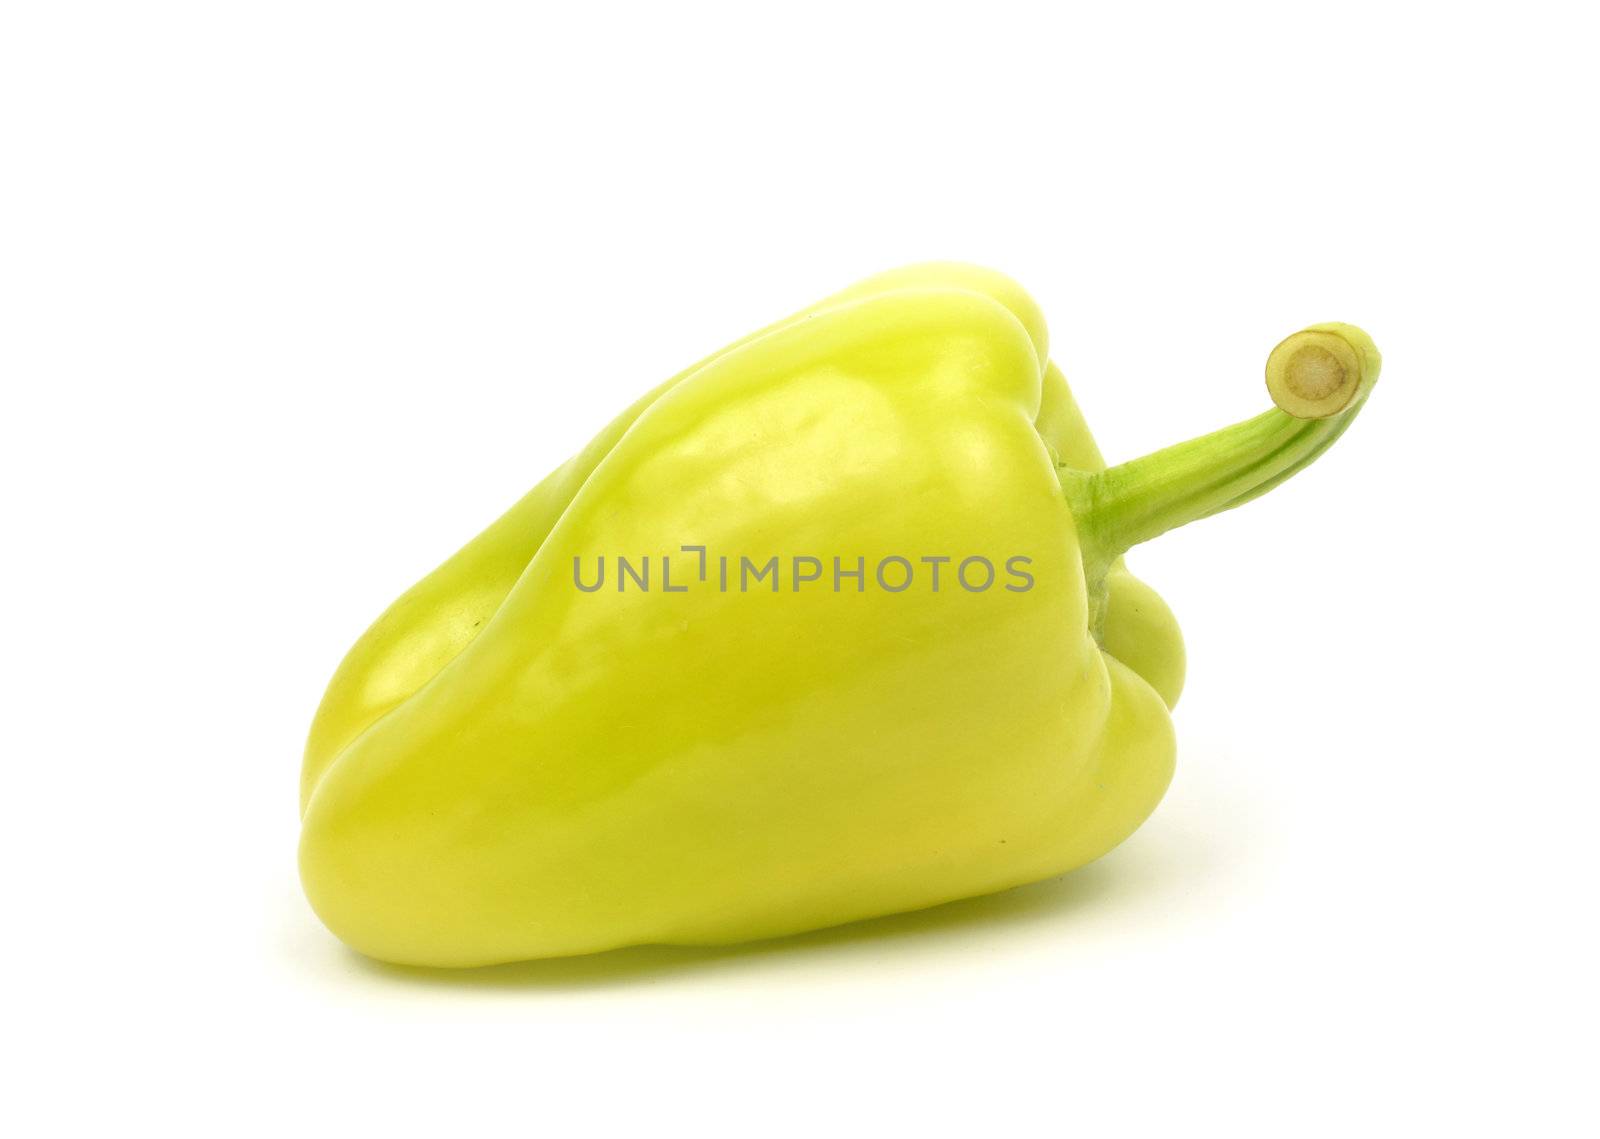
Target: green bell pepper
832,624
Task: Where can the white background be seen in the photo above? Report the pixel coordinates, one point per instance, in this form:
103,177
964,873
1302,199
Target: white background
296,297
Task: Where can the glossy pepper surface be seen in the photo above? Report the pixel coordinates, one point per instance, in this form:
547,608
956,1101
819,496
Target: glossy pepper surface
514,762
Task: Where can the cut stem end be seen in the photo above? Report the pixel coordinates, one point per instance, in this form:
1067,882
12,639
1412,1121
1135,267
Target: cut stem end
1321,370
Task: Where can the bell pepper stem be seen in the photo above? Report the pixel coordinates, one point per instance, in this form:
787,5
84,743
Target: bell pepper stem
1319,378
